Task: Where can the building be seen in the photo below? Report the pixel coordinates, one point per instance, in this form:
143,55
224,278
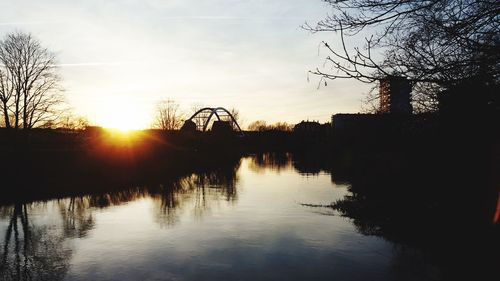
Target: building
394,95
395,116
188,126
222,127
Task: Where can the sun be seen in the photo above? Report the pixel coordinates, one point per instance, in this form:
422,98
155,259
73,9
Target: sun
122,122
123,117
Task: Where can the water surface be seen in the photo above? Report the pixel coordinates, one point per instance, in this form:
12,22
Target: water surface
258,220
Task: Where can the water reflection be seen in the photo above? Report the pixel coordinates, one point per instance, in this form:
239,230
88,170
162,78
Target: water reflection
76,216
41,251
303,162
271,161
200,191
261,218
442,214
31,252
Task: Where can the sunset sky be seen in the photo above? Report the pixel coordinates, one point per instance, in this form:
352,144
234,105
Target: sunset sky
118,58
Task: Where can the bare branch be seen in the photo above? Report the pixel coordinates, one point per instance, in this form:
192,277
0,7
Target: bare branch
168,116
29,84
442,42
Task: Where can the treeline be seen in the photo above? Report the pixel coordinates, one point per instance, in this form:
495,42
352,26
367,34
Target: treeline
168,115
261,126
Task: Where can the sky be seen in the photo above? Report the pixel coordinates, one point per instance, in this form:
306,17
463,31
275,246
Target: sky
118,58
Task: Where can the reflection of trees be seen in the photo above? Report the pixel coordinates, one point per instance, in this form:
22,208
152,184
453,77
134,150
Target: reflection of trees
168,198
109,199
77,217
401,199
450,231
272,160
444,214
200,191
310,162
31,252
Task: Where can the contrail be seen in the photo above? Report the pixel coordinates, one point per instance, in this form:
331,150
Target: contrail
33,22
93,63
228,18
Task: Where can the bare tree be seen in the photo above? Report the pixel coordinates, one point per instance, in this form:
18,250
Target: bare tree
29,84
71,121
281,126
237,117
6,93
437,44
259,125
168,115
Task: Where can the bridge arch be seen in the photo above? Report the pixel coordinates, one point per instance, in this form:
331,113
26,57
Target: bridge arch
202,117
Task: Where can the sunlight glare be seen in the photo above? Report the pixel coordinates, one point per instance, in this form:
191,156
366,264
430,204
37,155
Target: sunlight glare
123,116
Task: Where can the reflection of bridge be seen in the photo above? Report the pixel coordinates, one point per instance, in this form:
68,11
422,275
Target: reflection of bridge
201,118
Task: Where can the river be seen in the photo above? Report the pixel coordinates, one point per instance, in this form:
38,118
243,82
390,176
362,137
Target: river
259,219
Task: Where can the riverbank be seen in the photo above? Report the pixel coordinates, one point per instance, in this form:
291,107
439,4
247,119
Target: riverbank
44,163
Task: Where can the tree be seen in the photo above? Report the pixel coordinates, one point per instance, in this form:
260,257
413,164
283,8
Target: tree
237,118
168,116
72,121
30,94
439,45
259,125
281,126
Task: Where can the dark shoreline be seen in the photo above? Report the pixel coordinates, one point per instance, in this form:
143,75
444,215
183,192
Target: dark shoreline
438,195
44,164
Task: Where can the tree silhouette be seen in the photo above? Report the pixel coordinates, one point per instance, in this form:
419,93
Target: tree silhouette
261,125
29,83
168,116
71,121
437,44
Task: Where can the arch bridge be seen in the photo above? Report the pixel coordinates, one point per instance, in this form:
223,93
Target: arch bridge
202,118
